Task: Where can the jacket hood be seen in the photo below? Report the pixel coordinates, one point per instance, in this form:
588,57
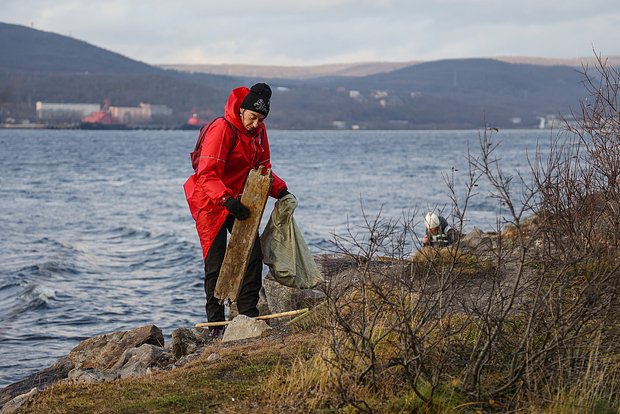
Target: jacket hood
231,111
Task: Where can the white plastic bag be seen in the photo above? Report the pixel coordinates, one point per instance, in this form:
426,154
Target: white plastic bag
284,249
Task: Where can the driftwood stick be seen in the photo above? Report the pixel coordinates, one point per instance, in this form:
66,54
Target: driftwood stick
272,316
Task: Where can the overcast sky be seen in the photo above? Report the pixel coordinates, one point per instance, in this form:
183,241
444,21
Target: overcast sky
310,32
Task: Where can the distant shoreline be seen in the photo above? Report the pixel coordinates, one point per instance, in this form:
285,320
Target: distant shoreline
77,126
172,128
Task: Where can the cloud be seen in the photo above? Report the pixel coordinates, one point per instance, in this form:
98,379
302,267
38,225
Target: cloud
327,31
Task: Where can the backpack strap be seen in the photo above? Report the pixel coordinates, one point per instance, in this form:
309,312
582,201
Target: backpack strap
195,155
234,135
205,127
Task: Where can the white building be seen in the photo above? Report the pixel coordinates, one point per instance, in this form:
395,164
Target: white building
68,112
138,114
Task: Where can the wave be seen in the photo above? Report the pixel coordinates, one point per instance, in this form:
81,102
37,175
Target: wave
125,232
17,298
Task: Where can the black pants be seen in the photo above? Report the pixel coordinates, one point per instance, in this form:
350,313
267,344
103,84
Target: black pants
252,280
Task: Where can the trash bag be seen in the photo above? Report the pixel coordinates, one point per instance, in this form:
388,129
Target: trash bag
284,249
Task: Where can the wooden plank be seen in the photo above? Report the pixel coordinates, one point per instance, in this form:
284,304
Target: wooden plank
242,237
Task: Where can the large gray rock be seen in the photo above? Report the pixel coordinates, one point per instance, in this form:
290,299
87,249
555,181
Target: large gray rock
283,298
136,361
14,405
244,327
102,358
117,355
104,351
478,241
334,263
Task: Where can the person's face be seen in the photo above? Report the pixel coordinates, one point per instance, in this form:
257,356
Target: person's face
434,230
251,120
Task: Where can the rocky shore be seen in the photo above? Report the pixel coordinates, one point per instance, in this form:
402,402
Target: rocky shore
142,351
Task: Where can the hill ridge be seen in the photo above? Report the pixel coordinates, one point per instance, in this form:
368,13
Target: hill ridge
449,93
361,69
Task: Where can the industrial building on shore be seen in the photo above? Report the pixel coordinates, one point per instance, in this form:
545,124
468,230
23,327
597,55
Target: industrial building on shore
56,113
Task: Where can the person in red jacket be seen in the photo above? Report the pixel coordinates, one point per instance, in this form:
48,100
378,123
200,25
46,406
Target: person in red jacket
213,191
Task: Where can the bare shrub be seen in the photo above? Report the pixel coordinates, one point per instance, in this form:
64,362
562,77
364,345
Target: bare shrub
532,318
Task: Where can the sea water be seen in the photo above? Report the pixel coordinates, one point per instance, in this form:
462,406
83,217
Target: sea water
97,236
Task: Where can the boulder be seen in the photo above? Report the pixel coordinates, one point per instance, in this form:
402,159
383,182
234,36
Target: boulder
101,358
477,240
41,380
334,263
14,405
104,351
116,355
283,298
136,361
244,327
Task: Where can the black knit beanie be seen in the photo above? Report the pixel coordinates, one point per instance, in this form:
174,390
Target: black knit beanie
258,99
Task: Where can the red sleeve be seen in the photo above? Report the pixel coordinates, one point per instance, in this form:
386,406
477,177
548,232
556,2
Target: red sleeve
278,184
213,157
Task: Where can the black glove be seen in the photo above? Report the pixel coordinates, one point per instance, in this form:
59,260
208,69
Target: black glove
238,210
284,192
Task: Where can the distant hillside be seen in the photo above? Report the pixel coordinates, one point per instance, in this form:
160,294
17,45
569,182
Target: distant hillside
359,69
443,94
32,50
461,93
43,66
577,62
293,72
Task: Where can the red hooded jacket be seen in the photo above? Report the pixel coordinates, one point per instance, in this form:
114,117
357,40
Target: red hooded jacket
222,172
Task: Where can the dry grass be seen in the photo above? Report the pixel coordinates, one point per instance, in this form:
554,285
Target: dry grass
299,373
233,383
